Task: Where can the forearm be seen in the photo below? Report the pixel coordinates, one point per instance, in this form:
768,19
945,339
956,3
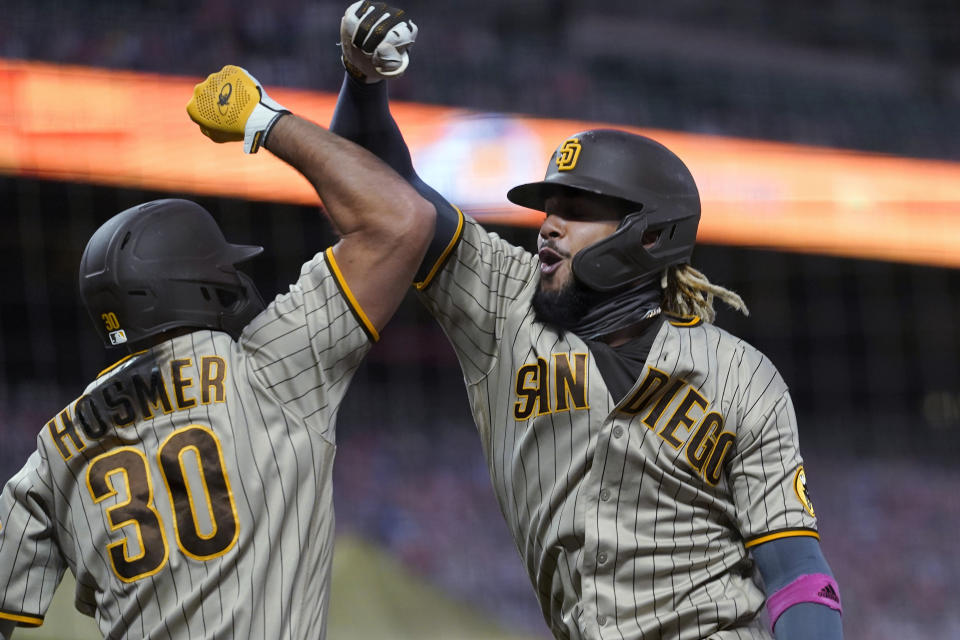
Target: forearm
359,191
809,621
362,115
808,615
384,224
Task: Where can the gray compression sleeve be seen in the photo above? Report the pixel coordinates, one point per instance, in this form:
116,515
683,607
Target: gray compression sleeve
783,561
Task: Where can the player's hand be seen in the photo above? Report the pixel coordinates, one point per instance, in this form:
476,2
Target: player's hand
230,105
375,40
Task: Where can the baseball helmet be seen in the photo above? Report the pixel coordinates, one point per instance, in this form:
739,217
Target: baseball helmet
162,265
635,169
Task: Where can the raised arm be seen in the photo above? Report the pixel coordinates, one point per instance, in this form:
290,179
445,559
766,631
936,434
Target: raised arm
384,224
375,41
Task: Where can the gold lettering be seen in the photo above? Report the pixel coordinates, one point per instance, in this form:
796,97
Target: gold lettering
718,457
60,436
213,370
680,417
652,383
180,383
532,396
152,395
126,414
665,399
571,384
704,440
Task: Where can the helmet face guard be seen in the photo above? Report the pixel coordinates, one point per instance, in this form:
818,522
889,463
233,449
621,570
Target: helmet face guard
621,258
163,265
635,169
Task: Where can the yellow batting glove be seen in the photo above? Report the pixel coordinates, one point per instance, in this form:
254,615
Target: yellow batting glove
230,105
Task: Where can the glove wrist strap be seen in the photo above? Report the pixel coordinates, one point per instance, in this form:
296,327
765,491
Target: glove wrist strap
355,72
258,127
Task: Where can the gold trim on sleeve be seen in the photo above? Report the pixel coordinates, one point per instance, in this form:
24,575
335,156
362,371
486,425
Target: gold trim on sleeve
443,256
351,300
792,533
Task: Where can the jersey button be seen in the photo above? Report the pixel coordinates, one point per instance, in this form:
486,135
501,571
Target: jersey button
602,557
605,495
617,432
601,620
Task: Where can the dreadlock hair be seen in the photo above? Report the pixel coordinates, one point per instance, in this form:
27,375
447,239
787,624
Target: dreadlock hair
687,292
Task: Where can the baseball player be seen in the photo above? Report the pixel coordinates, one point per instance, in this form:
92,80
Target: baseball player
645,460
188,488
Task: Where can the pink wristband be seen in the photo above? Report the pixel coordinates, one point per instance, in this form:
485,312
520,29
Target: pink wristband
819,588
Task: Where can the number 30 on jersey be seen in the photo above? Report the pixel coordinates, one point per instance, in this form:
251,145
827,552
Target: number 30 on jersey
204,515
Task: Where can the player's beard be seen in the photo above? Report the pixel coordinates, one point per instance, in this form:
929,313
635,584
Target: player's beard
567,306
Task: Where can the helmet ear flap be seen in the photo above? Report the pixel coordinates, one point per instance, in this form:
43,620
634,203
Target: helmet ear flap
249,291
246,305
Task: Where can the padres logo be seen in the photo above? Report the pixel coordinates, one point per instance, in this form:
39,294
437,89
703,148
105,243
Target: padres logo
223,101
800,487
567,154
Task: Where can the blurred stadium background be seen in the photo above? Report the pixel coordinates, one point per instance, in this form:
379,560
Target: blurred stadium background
869,344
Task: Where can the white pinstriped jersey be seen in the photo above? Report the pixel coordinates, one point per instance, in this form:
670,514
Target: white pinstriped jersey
633,515
189,488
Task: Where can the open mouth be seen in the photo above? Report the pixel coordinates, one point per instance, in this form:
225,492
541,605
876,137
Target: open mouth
550,260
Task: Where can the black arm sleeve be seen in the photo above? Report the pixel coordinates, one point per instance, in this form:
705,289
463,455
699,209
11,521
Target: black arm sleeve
6,629
363,116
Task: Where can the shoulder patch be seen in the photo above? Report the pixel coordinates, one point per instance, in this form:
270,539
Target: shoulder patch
800,488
